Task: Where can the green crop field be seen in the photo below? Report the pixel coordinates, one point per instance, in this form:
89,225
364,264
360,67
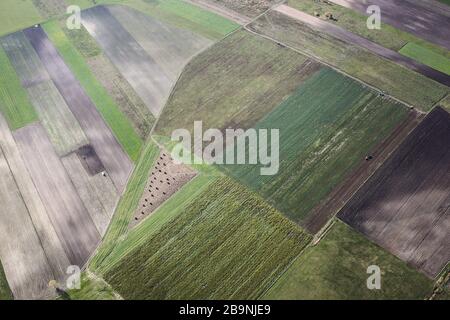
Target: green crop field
327,127
400,82
336,268
16,15
352,20
426,56
14,103
227,243
236,82
187,16
119,124
5,292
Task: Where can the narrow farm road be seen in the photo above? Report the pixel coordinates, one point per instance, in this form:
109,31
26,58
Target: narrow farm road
352,38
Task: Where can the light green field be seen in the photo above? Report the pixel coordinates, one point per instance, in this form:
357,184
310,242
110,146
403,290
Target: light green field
226,244
387,36
426,56
16,15
14,103
119,124
398,81
327,127
5,292
242,78
445,103
336,268
128,203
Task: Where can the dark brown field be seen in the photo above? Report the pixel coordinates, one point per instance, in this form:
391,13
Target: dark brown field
404,207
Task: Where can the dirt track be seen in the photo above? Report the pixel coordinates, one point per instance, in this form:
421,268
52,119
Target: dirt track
405,206
429,20
349,37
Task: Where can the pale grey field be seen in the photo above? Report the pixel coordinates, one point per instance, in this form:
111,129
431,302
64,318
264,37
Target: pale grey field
98,192
69,216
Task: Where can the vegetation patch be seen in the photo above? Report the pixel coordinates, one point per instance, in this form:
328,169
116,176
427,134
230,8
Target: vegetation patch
5,292
336,268
16,15
227,244
92,288
327,127
14,103
426,56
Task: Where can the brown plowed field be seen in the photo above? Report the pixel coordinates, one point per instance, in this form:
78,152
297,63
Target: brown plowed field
404,207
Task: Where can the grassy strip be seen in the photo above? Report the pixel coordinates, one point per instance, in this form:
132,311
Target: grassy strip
127,205
5,292
337,269
426,56
388,36
227,244
326,128
187,16
119,124
169,210
14,102
397,80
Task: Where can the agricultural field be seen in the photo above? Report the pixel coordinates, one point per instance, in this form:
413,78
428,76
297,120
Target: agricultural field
426,56
255,76
100,106
14,102
404,206
50,8
92,288
239,220
16,15
249,8
336,268
327,127
356,22
404,84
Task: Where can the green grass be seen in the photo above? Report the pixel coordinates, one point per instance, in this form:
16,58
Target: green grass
16,15
14,102
337,269
82,40
226,244
128,203
445,102
445,1
117,121
5,292
236,82
398,81
426,56
327,127
168,211
187,16
387,36
92,288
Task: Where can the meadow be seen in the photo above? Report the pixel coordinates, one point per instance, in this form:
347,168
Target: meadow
336,268
236,82
5,292
16,15
327,127
251,246
119,124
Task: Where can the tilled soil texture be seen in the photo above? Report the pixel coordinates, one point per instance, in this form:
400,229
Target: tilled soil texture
404,207
426,20
110,152
165,179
